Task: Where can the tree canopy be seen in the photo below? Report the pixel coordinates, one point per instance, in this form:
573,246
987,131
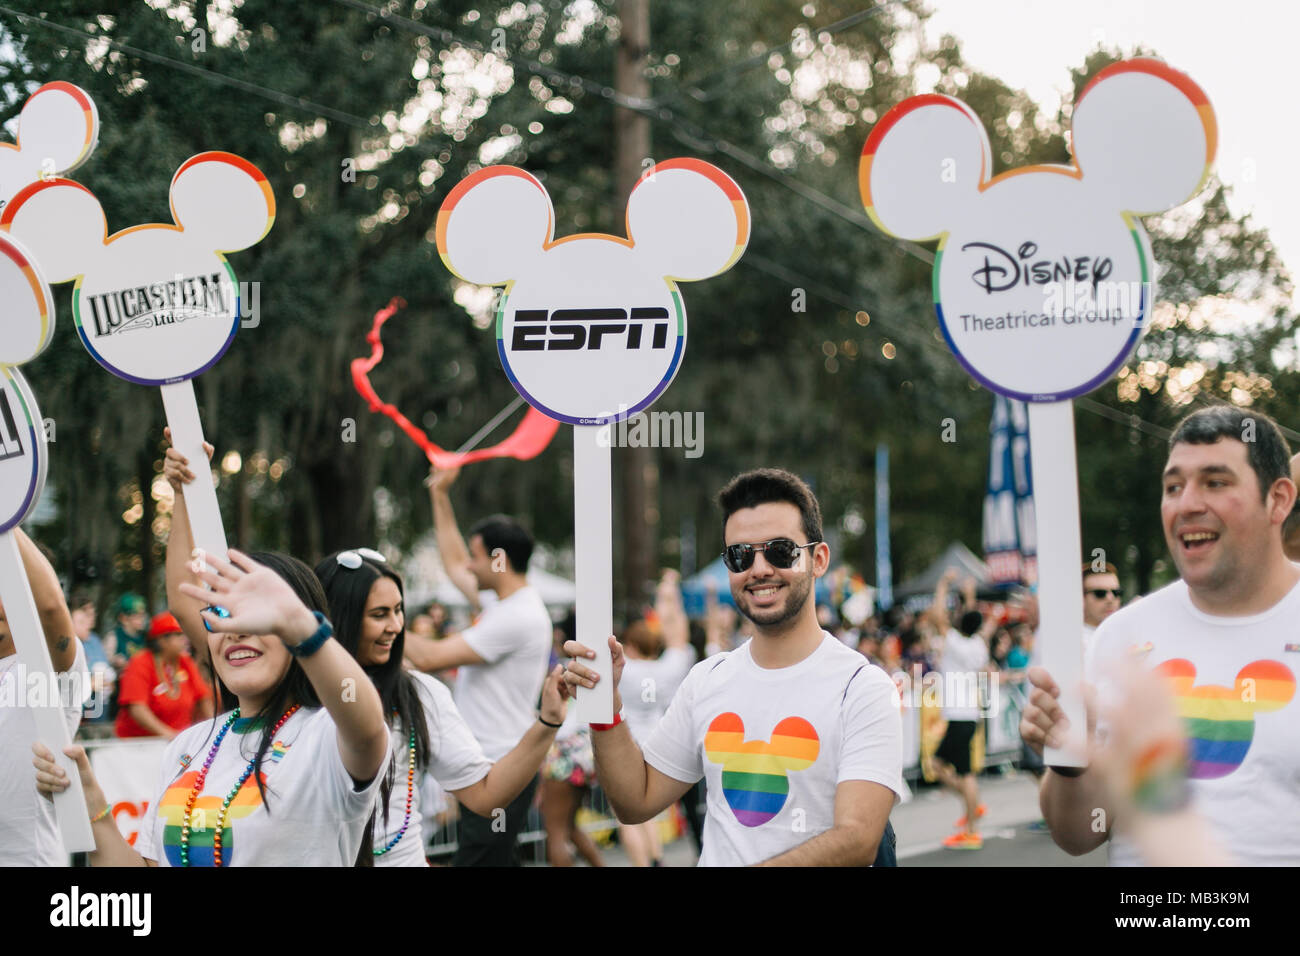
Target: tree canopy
819,344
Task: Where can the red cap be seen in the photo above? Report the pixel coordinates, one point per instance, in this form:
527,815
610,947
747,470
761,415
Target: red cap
164,624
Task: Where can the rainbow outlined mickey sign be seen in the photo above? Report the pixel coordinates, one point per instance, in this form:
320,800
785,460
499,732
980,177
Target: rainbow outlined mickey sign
57,130
25,330
592,328
1043,280
155,303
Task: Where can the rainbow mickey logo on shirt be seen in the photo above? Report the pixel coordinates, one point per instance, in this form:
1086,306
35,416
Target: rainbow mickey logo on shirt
1220,720
203,819
754,772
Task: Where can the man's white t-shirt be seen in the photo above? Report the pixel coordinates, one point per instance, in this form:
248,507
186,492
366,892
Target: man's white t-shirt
456,761
961,663
1089,633
647,687
499,699
1234,684
773,744
317,817
29,832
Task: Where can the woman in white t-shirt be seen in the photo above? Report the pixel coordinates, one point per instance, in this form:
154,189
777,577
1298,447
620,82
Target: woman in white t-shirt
366,600
290,776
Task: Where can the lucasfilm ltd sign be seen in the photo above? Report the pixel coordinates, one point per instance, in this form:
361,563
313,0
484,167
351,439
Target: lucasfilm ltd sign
136,308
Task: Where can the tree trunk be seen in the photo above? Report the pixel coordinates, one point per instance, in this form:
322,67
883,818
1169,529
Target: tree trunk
146,475
631,147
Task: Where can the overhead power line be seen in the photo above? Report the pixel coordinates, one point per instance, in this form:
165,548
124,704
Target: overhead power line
213,76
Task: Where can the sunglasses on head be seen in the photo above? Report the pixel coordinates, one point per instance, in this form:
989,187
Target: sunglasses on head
1102,593
781,553
353,559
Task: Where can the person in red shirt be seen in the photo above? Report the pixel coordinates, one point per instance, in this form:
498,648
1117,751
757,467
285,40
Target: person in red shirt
160,693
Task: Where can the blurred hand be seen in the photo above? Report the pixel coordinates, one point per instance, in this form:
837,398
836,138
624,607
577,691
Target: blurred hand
1143,729
440,480
668,591
258,599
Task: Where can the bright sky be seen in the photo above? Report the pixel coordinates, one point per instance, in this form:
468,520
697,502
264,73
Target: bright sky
1242,53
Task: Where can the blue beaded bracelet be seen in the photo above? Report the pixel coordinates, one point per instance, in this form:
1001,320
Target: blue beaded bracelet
313,644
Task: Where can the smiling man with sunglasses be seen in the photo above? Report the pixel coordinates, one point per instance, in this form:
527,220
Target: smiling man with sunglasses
1101,598
799,738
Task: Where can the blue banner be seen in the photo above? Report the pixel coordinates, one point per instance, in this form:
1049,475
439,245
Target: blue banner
1010,546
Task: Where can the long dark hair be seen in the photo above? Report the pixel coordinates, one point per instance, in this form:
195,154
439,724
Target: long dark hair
294,687
348,592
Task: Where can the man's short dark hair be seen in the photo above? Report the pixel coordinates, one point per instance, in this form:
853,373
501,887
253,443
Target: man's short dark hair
970,623
504,532
766,485
1266,448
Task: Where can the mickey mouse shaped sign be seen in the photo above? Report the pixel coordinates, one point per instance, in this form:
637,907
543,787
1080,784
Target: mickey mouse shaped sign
57,130
1044,278
26,327
591,328
156,304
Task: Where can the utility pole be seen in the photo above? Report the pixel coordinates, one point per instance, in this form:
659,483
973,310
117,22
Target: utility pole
640,473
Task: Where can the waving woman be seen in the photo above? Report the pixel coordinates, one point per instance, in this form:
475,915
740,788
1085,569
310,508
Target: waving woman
289,777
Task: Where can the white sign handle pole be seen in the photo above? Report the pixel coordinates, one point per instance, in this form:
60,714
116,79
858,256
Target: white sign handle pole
594,568
51,730
201,494
1060,584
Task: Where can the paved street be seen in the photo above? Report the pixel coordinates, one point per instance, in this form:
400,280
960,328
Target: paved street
923,822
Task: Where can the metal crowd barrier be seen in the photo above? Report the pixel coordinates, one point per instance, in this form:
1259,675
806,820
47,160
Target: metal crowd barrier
440,846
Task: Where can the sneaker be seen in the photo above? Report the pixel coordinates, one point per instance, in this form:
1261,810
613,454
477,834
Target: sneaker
964,841
1038,826
979,814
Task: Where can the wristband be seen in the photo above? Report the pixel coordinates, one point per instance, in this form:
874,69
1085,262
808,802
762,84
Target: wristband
313,644
1069,771
548,723
102,813
618,719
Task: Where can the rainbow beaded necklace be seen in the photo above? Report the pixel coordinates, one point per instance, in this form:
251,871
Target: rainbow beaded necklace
225,804
410,793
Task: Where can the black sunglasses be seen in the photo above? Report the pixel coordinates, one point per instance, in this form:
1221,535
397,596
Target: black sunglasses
1102,593
780,553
